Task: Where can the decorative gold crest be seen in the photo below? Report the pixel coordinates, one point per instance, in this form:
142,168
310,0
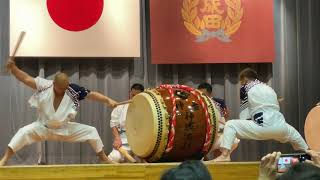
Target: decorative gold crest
213,21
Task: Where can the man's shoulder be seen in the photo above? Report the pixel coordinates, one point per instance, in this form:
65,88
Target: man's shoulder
261,86
42,83
121,107
78,91
75,87
42,80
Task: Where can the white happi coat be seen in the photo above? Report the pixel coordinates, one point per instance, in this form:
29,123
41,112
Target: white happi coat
260,119
47,115
56,125
118,120
258,98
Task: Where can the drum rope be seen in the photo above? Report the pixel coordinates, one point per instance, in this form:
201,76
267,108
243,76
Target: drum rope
173,119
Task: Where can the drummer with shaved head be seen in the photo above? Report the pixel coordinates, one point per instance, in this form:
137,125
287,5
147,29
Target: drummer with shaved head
57,102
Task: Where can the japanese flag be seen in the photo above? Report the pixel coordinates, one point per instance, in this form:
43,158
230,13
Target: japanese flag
76,28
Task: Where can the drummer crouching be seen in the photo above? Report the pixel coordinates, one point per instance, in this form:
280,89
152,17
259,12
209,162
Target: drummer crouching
121,152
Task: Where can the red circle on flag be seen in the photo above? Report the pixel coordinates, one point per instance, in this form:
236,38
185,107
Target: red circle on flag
75,15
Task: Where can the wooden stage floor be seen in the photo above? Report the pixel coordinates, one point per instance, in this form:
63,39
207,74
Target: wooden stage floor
151,171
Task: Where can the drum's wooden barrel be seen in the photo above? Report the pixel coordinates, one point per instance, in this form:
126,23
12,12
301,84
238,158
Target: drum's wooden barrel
171,123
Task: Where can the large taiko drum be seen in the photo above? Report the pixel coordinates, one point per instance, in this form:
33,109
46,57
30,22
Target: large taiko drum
311,128
171,123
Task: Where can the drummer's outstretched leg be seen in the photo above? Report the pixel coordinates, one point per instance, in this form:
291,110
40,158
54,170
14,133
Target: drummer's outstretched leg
295,139
7,155
236,128
225,155
25,136
228,137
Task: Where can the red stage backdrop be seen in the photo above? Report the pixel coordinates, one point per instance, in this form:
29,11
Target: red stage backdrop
211,31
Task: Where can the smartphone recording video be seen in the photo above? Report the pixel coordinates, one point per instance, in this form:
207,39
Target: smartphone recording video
288,160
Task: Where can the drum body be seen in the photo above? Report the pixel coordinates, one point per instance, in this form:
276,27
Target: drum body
311,128
171,124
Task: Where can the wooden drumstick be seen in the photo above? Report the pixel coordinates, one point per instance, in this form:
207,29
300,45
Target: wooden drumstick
21,36
126,155
124,102
13,55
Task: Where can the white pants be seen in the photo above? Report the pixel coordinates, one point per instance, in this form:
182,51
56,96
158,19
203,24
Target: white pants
116,156
217,143
276,128
71,132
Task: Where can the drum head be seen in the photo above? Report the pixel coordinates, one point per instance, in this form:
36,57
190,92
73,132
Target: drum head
311,128
141,127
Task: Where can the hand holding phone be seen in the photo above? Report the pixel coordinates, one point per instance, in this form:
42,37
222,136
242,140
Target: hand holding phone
287,160
315,156
268,166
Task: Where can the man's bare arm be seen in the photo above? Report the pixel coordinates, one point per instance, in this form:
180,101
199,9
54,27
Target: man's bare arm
21,75
117,140
96,96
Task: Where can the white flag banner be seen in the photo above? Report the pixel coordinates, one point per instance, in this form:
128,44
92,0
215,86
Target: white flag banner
76,28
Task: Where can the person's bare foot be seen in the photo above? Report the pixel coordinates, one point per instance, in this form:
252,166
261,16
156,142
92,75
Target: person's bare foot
2,162
7,155
104,159
107,161
222,158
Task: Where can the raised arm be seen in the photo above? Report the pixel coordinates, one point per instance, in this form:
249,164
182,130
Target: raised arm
21,75
96,96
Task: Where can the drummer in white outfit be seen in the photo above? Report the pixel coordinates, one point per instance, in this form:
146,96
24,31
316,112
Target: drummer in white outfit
117,124
260,105
57,103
